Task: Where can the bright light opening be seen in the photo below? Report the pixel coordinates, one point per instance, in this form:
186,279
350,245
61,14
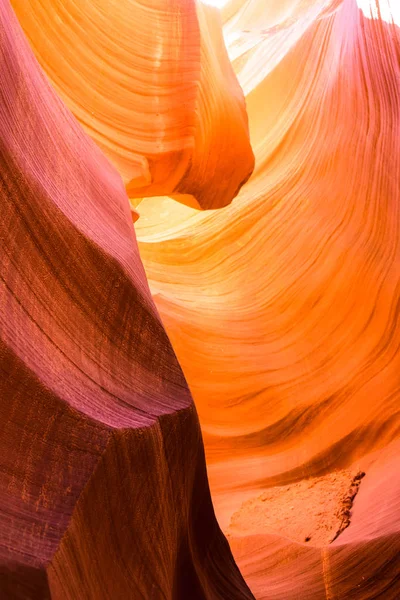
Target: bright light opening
216,3
389,9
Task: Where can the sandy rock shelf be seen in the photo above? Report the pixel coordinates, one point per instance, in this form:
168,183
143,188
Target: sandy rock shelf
313,511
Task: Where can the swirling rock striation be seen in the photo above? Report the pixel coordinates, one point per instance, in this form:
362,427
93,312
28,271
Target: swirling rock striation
284,308
152,83
103,485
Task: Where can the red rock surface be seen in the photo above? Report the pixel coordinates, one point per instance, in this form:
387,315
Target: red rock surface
282,308
103,485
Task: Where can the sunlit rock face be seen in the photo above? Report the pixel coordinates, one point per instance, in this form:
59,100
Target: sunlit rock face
151,82
103,485
282,308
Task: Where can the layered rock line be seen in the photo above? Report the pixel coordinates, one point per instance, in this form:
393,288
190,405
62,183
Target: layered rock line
103,485
283,308
152,83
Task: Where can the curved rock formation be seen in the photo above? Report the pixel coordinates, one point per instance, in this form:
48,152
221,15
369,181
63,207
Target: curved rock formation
151,82
283,308
103,485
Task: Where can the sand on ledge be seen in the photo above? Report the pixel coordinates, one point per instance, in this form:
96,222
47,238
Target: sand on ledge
313,511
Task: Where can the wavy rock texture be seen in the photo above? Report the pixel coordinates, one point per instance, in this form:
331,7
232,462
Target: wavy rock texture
151,82
284,308
103,485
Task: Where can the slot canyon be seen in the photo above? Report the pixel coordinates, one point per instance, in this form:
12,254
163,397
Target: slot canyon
200,299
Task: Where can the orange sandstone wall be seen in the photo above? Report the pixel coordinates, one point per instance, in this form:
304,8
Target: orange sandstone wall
282,307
